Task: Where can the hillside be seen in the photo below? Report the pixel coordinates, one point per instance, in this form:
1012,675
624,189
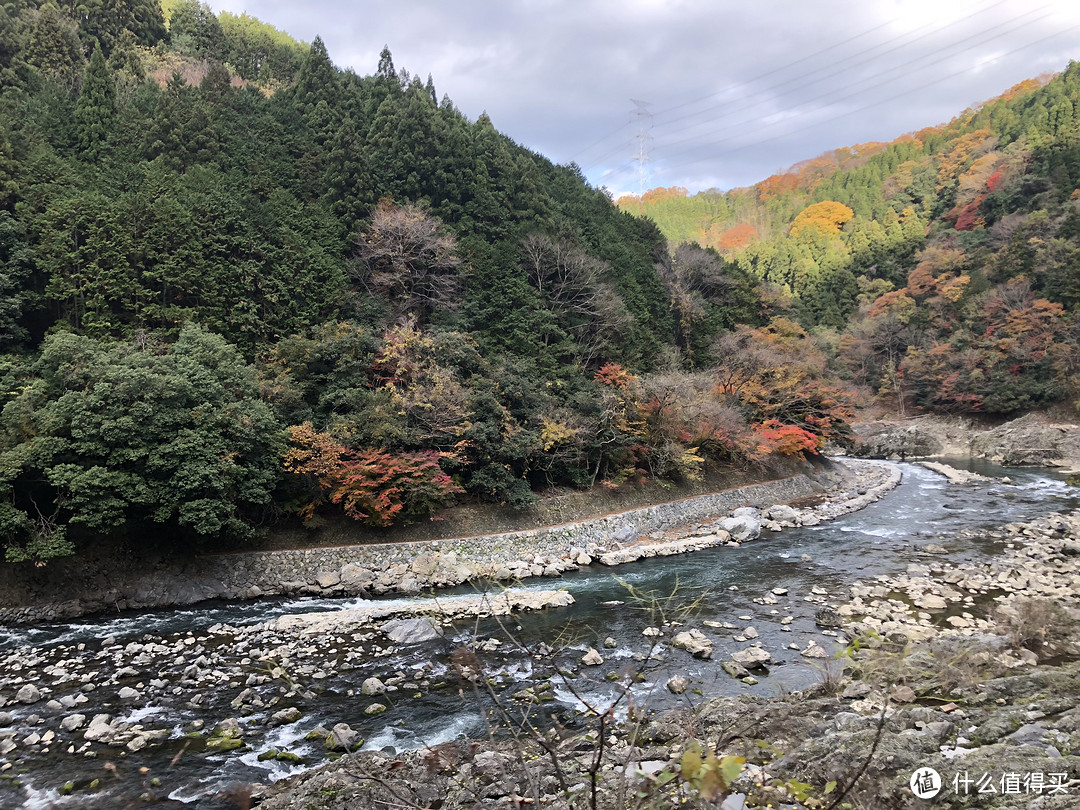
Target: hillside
941,270
241,287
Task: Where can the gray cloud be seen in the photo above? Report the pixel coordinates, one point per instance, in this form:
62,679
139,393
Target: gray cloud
737,90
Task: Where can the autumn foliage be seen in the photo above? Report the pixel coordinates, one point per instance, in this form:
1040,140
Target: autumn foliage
370,485
737,237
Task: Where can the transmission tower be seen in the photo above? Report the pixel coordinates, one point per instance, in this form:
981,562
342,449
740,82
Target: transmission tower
644,121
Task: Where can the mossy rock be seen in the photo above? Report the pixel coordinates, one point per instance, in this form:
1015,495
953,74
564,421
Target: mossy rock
66,789
291,758
271,753
225,744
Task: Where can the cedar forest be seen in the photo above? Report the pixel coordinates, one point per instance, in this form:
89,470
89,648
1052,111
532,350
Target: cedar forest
240,286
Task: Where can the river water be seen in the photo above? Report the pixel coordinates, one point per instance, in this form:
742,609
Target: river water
731,586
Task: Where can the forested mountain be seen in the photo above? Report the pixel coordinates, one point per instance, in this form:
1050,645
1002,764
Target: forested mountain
240,284
941,270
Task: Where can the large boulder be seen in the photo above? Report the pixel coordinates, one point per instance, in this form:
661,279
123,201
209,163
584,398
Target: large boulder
411,631
1030,440
742,528
895,441
782,513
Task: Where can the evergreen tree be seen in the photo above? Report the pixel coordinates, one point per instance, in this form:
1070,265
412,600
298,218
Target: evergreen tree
317,80
15,267
9,171
97,106
53,46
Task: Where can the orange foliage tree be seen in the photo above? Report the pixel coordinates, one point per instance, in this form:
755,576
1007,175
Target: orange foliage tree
736,238
371,485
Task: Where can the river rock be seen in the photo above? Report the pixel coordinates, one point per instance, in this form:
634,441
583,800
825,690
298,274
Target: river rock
592,658
73,722
343,738
127,693
678,684
930,601
226,736
5,719
741,528
285,716
694,642
28,693
355,577
1032,440
373,686
328,579
752,657
411,631
375,708
814,651
782,513
99,730
735,669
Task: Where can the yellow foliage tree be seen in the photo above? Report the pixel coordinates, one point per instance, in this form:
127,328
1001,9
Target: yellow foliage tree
826,218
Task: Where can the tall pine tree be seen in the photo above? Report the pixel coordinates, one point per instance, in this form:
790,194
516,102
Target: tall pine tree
96,109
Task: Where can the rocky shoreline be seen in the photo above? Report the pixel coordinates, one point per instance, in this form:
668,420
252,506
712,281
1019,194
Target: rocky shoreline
64,590
970,669
1032,440
246,680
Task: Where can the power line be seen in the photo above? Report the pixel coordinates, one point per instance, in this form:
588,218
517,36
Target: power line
840,67
827,50
921,65
734,149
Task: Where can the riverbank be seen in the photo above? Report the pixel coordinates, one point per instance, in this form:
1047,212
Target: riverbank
1036,439
969,669
285,694
70,588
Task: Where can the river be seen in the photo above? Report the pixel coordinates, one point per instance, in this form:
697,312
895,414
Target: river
775,584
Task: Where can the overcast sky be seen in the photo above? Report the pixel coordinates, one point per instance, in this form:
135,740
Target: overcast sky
733,91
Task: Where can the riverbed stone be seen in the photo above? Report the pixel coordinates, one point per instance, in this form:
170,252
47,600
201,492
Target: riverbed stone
342,737
372,686
285,716
678,684
782,513
930,601
741,528
28,693
592,658
411,631
752,657
73,722
694,642
99,730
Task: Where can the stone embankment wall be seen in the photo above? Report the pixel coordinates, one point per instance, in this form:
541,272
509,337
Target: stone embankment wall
75,587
